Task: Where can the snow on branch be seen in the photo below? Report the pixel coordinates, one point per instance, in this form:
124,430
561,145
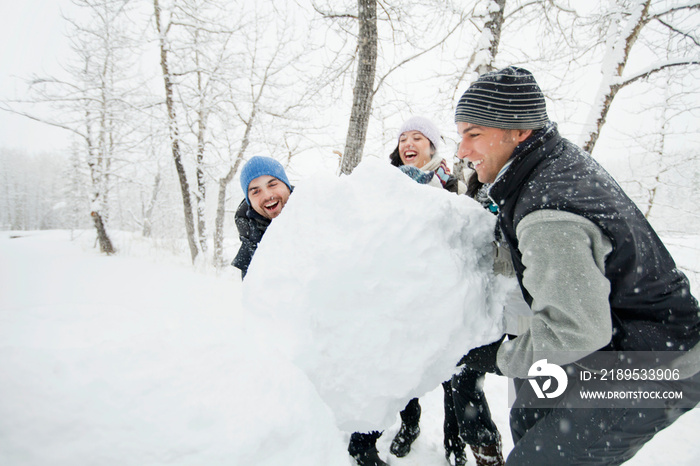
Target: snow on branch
687,35
331,15
693,5
645,73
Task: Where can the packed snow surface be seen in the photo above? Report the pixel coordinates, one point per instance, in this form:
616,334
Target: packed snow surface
138,359
113,362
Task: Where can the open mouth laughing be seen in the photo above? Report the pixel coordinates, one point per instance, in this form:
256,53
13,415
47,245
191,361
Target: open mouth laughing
473,165
410,155
271,205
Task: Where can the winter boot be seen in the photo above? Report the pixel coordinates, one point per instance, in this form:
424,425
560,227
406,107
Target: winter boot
488,455
409,431
460,457
455,446
363,449
369,458
407,434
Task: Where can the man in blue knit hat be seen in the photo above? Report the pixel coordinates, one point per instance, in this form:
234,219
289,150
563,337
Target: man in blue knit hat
266,189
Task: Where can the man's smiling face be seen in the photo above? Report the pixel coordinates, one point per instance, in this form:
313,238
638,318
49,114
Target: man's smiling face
268,195
488,149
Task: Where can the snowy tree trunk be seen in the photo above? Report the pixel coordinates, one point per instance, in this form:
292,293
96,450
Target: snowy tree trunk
221,215
201,184
223,184
484,57
97,201
201,143
487,47
175,138
618,46
95,160
148,211
364,86
102,237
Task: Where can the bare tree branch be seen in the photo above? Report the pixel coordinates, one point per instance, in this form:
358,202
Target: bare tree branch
653,70
413,57
679,32
43,120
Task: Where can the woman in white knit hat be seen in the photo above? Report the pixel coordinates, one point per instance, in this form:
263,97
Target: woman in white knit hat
416,155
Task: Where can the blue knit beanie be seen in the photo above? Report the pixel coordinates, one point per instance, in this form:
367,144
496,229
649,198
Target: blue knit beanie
259,166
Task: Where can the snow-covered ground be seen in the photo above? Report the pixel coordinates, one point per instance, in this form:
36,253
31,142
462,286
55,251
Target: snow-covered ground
137,359
127,361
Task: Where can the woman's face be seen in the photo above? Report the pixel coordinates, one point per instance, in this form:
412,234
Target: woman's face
414,149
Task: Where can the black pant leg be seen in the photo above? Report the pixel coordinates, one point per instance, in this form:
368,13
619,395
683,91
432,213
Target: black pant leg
450,425
472,410
411,413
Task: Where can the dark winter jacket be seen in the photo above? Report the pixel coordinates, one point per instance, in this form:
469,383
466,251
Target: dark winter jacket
251,228
650,302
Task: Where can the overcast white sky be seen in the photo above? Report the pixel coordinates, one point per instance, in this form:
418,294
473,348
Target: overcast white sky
33,41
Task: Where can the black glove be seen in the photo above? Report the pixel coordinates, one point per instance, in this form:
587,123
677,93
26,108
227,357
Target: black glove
483,358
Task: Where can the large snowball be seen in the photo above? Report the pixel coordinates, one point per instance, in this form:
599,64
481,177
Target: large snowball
380,285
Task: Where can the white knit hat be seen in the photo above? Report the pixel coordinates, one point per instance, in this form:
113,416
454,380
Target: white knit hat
425,126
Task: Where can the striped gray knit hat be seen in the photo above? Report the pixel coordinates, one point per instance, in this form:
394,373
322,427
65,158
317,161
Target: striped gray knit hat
506,99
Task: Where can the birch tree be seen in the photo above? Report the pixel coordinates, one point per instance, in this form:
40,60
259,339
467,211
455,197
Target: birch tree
163,27
363,91
207,63
624,24
103,45
262,106
94,101
483,58
405,33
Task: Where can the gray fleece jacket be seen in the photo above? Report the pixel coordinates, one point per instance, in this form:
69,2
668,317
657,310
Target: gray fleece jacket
564,255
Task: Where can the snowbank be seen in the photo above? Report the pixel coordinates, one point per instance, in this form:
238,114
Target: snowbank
114,361
376,286
127,362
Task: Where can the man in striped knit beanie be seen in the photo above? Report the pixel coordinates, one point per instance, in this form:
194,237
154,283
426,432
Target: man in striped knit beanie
596,276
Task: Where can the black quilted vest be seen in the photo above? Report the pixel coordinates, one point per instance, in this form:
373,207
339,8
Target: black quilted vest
652,308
